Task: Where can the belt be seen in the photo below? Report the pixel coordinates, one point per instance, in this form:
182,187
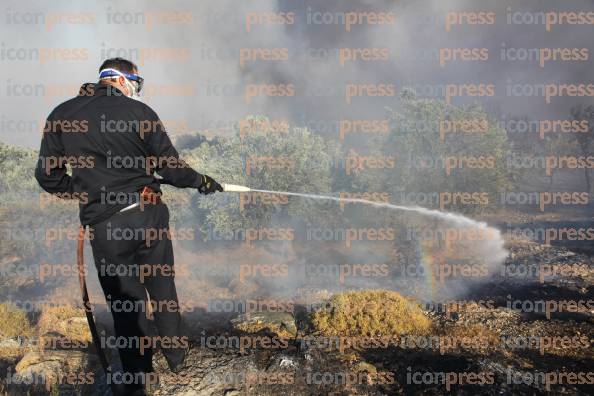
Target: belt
147,195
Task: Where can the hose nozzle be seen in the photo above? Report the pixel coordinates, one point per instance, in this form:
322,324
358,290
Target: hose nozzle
235,188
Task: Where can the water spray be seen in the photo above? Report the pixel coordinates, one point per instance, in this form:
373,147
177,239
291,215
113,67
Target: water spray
497,250
235,188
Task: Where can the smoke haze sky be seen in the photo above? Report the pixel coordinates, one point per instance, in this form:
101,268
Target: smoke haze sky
201,85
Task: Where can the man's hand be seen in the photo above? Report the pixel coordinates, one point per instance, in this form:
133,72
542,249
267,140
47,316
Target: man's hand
209,185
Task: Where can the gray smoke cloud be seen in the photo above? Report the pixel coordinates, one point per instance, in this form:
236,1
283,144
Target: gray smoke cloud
201,85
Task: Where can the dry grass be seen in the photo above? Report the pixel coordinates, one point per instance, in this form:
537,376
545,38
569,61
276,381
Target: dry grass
13,321
371,313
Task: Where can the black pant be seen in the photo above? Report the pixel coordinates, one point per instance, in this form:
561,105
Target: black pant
134,256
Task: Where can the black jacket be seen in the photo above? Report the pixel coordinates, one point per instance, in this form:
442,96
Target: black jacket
114,144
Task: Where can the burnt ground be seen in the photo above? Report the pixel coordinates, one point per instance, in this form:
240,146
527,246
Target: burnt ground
506,368
303,368
508,351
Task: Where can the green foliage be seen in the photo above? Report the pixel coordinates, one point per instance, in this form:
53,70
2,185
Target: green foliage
585,140
17,166
422,154
297,161
25,221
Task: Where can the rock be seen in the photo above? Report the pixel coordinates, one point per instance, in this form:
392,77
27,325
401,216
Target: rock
208,372
287,362
280,323
66,368
66,359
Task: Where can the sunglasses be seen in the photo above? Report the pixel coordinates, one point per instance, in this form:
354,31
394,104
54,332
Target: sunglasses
132,77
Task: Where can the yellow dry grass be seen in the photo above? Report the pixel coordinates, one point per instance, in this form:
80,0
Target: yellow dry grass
13,321
371,313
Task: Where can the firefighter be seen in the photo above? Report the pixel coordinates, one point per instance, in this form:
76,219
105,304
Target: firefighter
114,144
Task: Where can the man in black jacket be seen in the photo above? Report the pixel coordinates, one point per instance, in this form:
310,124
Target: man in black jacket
114,144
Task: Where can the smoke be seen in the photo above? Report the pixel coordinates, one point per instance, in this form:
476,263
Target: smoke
487,251
201,84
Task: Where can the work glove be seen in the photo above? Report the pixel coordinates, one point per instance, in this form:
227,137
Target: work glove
209,185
